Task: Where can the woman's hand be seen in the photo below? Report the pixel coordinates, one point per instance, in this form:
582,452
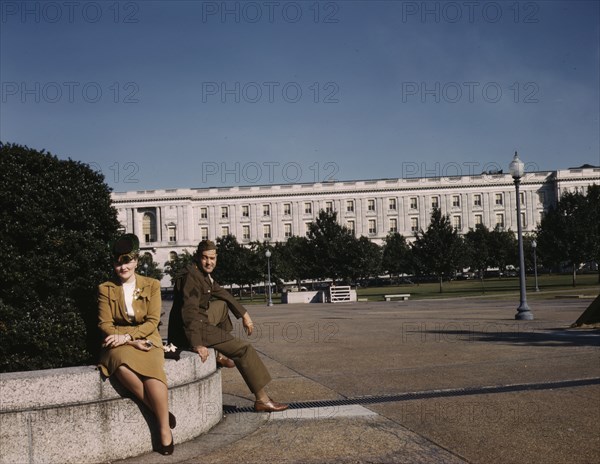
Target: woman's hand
112,341
144,345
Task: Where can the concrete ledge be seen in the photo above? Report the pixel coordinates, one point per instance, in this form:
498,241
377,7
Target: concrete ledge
71,415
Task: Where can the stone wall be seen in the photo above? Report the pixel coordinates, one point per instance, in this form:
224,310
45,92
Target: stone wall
72,415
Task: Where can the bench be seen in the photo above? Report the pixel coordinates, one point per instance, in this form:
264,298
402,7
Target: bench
402,296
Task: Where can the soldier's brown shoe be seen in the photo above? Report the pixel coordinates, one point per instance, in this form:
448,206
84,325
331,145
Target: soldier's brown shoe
224,361
269,406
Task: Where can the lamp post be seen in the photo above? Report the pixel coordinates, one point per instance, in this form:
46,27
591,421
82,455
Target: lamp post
516,169
534,246
268,255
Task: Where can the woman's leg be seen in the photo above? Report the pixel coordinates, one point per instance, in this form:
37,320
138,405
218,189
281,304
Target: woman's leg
153,393
158,396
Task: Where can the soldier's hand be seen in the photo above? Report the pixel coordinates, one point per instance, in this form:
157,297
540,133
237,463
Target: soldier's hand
248,324
202,352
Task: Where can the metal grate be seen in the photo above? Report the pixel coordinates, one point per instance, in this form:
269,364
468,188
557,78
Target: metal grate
429,394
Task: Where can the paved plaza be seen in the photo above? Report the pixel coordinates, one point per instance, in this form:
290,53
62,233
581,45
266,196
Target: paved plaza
431,381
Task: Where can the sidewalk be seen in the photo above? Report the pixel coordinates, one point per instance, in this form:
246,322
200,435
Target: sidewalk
453,381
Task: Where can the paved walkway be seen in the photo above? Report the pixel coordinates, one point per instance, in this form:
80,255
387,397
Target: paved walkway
450,381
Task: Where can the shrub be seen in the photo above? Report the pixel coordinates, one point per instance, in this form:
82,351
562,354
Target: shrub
56,221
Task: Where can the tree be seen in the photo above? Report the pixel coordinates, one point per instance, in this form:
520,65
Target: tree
479,242
56,223
329,244
177,264
396,258
365,259
291,260
569,232
503,248
439,249
148,267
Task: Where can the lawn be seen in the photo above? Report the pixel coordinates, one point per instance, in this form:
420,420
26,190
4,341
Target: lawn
550,286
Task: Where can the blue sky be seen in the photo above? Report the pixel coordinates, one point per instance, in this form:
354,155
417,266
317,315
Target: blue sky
177,94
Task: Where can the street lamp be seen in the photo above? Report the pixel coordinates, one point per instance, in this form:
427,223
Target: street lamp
534,246
268,255
516,169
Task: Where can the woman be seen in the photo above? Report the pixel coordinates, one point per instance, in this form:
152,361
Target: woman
129,313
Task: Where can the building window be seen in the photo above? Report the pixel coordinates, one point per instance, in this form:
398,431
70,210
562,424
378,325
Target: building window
267,210
500,220
476,200
435,202
287,230
246,232
307,227
224,231
149,227
351,226
267,231
224,212
370,205
414,224
329,206
413,203
203,213
523,220
287,209
499,199
245,211
307,208
372,227
522,197
350,206
392,204
172,233
457,222
478,219
204,233
456,201
393,225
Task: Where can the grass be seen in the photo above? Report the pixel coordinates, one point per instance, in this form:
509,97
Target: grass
550,286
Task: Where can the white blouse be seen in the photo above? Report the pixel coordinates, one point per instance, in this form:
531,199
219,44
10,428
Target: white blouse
128,289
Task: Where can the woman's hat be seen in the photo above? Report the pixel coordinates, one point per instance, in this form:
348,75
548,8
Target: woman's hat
125,248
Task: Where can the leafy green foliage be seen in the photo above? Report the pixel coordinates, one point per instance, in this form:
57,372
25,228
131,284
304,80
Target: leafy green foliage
396,257
148,267
569,233
439,250
177,264
56,221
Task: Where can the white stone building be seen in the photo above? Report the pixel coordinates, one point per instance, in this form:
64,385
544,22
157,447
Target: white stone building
172,220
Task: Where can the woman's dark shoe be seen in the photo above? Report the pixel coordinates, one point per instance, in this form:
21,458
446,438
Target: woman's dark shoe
168,449
172,420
